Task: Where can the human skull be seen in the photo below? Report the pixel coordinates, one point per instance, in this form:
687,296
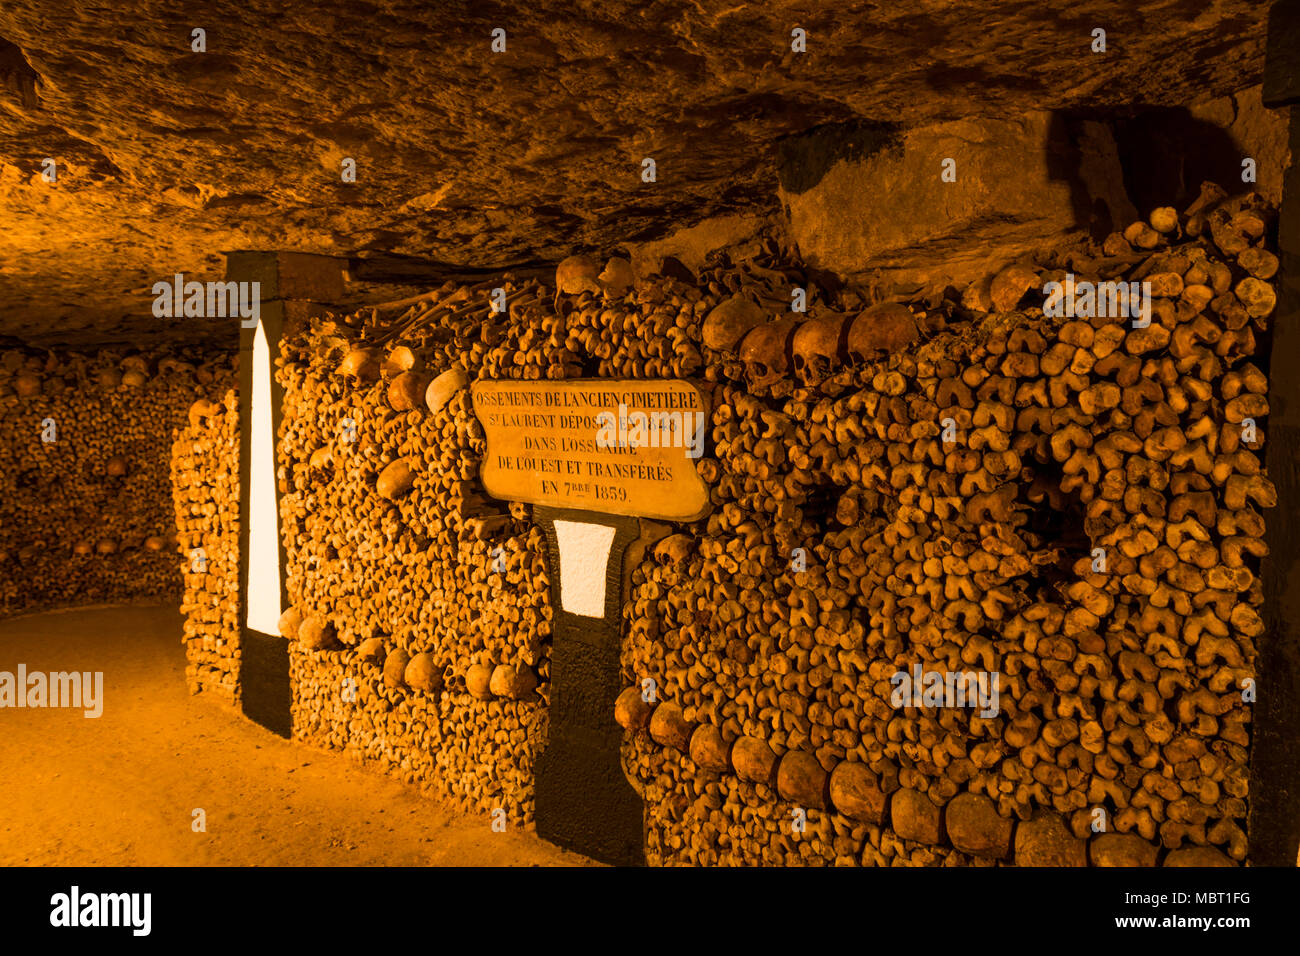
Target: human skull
888,327
441,390
617,277
1010,285
577,274
361,365
730,321
819,347
766,352
400,359
673,550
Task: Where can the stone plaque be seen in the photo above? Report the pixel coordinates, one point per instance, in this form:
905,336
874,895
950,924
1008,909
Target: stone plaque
599,445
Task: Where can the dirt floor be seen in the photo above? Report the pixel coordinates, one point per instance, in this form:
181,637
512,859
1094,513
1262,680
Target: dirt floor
121,789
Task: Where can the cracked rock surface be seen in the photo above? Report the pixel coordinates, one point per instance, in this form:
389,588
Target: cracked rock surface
166,157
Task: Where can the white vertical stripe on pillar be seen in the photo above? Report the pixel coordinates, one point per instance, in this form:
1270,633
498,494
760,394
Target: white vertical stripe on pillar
584,558
263,598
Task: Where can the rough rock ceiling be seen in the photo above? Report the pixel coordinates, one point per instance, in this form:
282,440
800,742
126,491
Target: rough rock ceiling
166,157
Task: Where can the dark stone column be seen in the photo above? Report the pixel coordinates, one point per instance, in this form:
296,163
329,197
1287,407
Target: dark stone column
584,801
291,284
1274,799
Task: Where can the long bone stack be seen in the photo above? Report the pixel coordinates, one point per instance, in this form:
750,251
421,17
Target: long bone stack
1090,532
956,482
84,486
420,618
205,493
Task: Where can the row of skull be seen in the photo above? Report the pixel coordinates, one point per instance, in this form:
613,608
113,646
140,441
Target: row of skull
809,347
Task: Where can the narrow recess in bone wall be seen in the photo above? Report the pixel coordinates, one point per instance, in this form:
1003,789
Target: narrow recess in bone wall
263,534
584,556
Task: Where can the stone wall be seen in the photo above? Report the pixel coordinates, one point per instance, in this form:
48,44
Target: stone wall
868,200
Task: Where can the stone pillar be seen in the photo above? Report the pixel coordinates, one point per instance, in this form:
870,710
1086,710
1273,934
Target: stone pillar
1274,798
290,286
584,801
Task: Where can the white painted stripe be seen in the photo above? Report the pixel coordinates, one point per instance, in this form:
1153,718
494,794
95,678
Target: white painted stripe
263,598
584,559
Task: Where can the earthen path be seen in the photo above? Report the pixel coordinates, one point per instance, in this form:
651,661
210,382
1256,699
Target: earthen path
122,789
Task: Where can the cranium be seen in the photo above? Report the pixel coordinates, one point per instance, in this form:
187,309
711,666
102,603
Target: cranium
884,327
577,274
673,550
399,360
1010,285
321,459
202,409
766,352
441,390
617,277
135,371
173,365
730,321
108,378
407,390
27,385
819,346
360,364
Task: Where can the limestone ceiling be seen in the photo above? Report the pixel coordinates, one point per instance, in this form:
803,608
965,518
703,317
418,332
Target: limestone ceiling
166,157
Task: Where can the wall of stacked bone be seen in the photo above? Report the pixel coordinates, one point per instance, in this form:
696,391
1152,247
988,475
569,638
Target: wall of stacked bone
84,517
419,608
205,498
421,620
1122,690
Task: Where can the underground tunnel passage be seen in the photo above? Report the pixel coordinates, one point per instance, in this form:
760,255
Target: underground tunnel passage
662,436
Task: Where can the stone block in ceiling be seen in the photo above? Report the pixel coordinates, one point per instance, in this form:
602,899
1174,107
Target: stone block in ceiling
876,198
